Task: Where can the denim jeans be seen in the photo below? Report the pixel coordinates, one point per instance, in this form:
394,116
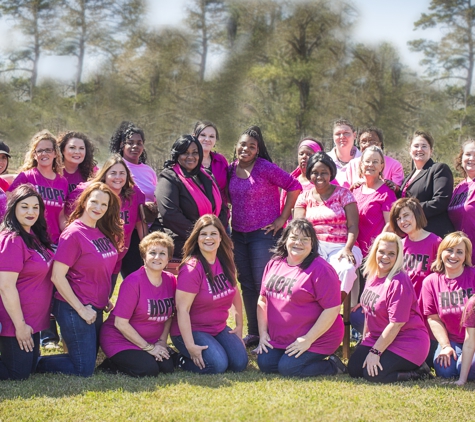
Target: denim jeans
17,364
357,320
81,339
453,370
251,255
308,364
225,352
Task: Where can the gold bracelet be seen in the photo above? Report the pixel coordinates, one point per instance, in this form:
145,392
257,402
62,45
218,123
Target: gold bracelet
148,347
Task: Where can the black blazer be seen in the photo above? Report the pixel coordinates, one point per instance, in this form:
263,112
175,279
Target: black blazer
177,208
433,187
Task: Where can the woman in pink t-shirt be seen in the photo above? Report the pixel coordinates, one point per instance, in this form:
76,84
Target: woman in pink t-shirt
299,308
333,213
78,158
134,337
83,264
443,298
206,290
25,286
466,363
395,339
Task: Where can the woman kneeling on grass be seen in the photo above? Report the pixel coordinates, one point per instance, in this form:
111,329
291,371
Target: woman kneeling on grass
206,290
298,309
134,337
395,339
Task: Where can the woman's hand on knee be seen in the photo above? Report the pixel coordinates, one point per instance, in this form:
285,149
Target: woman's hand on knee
88,314
299,346
347,254
372,363
445,356
24,337
264,340
196,355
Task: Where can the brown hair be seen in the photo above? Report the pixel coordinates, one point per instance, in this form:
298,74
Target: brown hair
426,135
86,168
458,158
156,238
128,189
414,205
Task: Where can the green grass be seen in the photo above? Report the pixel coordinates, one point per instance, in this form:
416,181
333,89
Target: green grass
250,395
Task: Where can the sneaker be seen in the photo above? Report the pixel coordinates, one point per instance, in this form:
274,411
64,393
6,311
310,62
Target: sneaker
425,372
340,366
251,340
50,345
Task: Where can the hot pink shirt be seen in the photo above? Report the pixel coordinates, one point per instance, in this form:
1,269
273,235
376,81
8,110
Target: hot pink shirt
328,218
73,179
91,258
34,285
446,298
469,321
210,308
146,179
371,207
386,301
418,257
392,171
255,200
3,184
295,300
3,204
147,307
53,192
462,210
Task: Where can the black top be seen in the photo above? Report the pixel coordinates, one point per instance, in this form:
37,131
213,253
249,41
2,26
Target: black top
178,209
433,187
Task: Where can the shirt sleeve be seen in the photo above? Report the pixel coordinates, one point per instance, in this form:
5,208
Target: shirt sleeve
13,248
19,180
346,197
69,249
127,299
389,199
302,200
326,286
429,302
283,179
190,277
399,300
469,313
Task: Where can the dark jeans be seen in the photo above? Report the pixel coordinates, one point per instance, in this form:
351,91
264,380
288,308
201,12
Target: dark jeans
251,255
81,339
138,363
308,364
392,364
132,260
17,364
357,320
225,352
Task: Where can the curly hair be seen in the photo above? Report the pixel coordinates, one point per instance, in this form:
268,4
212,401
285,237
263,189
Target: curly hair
86,168
123,132
128,189
458,158
110,223
30,160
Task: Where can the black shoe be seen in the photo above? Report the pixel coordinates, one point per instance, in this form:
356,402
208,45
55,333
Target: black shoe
251,340
108,367
425,372
340,366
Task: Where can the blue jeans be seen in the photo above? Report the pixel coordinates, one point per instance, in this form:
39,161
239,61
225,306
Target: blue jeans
17,364
225,352
453,370
357,320
251,255
308,364
81,339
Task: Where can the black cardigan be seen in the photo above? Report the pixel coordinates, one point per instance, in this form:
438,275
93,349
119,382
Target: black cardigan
178,209
433,187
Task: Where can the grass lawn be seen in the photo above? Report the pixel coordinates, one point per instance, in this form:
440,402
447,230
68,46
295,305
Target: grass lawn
183,396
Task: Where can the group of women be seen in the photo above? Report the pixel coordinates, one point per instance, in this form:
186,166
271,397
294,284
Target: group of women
295,242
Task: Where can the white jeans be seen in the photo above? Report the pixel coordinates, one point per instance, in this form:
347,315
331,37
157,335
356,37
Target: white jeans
345,269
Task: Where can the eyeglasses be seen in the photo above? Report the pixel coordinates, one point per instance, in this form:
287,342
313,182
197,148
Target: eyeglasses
44,151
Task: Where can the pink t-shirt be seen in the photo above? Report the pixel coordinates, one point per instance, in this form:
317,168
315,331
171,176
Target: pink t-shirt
4,184
3,204
53,192
34,285
386,301
295,300
392,171
370,209
469,321
341,169
255,200
147,307
462,210
91,258
146,179
328,218
73,179
446,298
210,308
418,257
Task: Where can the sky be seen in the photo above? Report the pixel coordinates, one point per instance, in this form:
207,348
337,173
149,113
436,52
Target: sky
379,21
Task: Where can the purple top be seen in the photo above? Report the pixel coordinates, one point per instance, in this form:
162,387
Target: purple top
34,285
462,210
53,192
210,308
147,307
145,177
386,301
295,300
446,297
91,258
255,200
370,209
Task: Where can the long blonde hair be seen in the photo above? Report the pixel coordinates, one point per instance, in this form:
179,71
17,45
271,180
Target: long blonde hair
30,160
370,268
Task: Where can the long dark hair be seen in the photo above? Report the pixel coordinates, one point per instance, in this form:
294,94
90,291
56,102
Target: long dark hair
86,168
225,250
303,226
38,241
255,133
180,146
122,134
